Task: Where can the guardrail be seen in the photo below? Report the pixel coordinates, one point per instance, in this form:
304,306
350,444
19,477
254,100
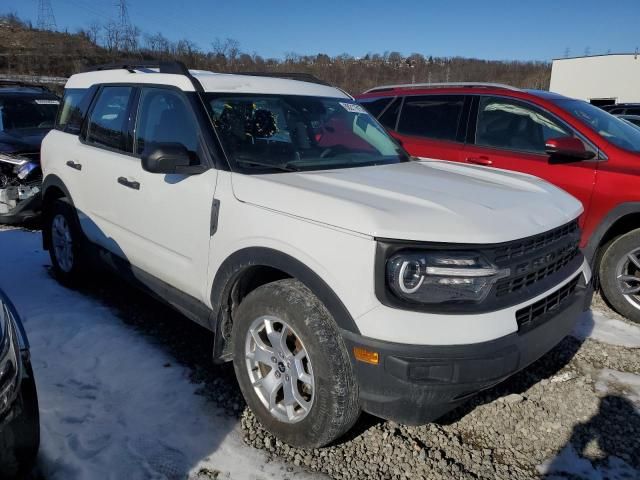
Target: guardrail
36,79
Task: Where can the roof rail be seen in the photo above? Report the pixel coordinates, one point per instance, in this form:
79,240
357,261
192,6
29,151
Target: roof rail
303,77
173,67
443,85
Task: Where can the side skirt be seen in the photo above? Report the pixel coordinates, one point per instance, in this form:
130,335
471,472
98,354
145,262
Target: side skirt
187,305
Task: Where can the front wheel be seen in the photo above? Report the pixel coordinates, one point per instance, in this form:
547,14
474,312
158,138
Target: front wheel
292,365
620,275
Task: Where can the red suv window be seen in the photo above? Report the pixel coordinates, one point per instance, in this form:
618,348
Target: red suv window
432,116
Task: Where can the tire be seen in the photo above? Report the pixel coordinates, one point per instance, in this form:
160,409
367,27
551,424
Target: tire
332,402
616,261
68,265
20,438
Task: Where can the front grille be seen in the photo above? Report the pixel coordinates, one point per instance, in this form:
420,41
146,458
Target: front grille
531,316
536,263
540,268
520,248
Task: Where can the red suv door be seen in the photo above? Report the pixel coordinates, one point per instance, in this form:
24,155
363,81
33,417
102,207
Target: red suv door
511,134
429,126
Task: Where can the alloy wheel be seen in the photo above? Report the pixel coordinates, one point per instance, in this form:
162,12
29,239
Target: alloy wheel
279,369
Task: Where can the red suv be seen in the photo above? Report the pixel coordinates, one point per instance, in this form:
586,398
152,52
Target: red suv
577,146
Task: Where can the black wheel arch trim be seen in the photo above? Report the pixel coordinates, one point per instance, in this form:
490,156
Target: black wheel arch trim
238,262
50,181
615,214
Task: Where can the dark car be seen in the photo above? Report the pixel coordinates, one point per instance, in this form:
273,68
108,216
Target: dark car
27,113
622,108
19,418
633,119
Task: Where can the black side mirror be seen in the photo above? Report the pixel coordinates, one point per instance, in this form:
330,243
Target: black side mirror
168,158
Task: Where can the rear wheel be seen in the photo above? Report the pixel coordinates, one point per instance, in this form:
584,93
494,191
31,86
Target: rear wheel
292,365
66,247
620,274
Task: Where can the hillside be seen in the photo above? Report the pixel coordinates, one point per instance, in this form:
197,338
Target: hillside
25,50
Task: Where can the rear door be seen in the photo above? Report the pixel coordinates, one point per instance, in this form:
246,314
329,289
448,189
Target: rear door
511,134
432,126
102,145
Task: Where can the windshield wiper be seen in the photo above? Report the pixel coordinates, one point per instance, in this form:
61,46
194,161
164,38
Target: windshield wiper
284,167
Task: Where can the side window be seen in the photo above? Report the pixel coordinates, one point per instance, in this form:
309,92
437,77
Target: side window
165,116
109,119
632,111
514,126
375,106
390,116
71,112
432,116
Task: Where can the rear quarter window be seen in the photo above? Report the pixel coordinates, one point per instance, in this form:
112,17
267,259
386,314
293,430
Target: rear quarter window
431,116
375,106
72,110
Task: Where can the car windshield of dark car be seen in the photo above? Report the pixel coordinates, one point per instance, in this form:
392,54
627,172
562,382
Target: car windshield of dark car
610,127
267,133
19,113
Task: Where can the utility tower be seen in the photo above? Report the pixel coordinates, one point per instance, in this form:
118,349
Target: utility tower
46,20
126,34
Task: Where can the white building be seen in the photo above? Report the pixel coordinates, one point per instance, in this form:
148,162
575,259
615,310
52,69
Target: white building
599,79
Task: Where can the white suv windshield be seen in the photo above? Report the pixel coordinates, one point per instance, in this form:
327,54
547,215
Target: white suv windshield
612,128
267,133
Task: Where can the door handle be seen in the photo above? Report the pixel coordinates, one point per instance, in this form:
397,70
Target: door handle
74,165
129,183
480,160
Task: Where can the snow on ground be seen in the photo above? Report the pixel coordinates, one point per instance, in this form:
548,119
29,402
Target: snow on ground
628,384
109,407
599,326
568,464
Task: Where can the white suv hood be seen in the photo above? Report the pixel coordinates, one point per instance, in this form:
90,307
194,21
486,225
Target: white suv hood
425,200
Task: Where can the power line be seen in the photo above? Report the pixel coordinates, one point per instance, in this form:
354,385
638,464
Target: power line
46,20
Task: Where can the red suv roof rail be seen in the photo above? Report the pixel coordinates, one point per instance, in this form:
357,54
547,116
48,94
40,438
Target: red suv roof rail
444,85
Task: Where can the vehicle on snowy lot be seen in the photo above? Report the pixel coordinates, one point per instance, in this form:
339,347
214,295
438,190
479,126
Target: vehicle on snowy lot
19,418
337,273
575,145
27,113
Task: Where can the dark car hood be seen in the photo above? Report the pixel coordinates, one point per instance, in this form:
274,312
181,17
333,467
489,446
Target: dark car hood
26,141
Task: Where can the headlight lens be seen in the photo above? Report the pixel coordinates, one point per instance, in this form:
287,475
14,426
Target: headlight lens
439,277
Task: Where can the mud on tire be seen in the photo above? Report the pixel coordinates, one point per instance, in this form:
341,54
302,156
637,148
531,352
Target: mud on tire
334,404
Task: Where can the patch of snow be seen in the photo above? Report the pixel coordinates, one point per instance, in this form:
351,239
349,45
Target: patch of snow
109,408
620,382
569,463
598,326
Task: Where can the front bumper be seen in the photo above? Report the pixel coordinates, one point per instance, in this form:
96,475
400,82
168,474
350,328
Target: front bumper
25,210
415,384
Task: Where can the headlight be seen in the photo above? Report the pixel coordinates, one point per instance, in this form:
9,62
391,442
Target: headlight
440,277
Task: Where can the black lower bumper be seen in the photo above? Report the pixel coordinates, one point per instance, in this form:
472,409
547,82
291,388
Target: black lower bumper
24,211
414,384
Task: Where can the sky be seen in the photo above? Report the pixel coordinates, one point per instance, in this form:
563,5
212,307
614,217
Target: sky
487,29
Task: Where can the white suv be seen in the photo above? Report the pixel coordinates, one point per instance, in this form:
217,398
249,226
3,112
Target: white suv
336,272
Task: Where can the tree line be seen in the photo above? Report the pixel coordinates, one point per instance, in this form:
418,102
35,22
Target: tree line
27,50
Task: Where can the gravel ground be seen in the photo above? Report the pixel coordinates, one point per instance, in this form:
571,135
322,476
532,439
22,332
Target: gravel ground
505,432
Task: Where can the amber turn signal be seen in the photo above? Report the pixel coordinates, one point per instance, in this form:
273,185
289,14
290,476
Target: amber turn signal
366,356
